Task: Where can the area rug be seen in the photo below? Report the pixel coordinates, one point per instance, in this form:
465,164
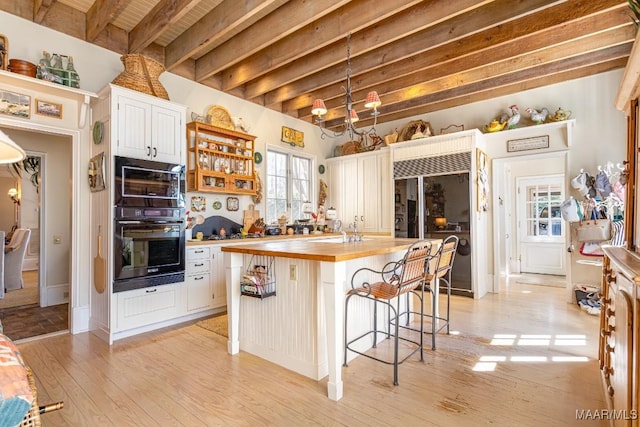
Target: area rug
217,325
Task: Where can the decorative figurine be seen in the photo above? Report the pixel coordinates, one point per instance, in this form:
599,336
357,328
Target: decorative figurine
538,116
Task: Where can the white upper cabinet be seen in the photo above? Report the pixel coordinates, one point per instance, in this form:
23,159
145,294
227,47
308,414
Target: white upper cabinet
360,191
147,127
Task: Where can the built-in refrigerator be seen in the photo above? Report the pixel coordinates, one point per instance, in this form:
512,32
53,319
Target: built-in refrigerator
436,206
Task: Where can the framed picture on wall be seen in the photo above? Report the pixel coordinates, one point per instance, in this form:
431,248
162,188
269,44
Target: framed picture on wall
49,109
15,104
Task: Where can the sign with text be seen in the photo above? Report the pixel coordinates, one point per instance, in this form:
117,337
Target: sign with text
292,137
524,144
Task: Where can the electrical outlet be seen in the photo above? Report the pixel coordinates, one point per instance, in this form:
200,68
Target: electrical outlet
293,272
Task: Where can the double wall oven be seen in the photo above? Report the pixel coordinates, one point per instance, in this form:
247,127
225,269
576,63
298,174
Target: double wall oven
149,237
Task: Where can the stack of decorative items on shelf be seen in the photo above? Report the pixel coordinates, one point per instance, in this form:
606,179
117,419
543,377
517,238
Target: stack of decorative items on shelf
52,67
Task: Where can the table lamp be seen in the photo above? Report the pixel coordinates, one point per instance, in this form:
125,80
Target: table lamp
440,222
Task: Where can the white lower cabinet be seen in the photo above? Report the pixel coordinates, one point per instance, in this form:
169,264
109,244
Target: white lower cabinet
206,287
145,306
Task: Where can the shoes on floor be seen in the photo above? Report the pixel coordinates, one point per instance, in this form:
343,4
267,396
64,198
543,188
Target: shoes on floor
590,305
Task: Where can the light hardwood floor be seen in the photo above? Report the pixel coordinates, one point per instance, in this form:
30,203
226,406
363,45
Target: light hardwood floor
184,376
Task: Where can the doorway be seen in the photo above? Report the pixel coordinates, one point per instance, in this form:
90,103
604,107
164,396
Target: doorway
21,183
510,178
47,264
541,230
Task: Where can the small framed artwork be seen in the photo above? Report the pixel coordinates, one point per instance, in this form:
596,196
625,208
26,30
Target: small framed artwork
15,104
4,52
49,109
198,203
96,173
233,203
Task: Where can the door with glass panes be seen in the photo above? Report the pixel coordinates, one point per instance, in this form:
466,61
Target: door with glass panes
541,230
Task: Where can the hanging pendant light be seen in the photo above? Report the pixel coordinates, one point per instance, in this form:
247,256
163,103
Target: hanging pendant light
372,102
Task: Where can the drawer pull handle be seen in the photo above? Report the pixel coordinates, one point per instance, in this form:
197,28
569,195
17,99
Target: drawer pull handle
150,291
198,278
199,265
199,252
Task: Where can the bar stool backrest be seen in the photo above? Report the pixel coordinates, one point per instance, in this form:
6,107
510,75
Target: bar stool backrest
443,262
412,267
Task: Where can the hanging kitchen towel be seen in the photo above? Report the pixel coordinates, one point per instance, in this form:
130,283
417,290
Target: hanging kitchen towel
597,230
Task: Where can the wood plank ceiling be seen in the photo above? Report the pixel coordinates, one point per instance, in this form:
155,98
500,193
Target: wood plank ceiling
420,56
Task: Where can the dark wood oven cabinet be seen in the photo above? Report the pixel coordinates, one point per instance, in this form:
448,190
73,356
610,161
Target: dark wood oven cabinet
618,350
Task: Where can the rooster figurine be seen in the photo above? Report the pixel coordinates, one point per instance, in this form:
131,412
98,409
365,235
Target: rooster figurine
515,117
538,116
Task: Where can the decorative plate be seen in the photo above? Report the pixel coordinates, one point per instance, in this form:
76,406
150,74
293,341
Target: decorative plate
198,203
98,132
233,204
321,169
257,157
220,117
217,205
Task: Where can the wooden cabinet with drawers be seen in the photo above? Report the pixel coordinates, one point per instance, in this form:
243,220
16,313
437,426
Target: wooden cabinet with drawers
619,353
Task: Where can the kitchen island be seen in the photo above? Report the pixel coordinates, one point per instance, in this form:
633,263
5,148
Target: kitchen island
301,326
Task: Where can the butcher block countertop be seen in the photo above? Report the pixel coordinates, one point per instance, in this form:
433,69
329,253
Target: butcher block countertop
330,249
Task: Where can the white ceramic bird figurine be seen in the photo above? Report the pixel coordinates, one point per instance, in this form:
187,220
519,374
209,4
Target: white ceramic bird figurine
515,117
538,116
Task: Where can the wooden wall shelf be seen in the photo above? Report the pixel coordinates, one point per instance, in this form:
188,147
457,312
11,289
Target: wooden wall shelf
219,160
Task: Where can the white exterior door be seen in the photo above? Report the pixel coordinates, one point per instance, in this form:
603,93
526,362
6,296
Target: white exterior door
541,230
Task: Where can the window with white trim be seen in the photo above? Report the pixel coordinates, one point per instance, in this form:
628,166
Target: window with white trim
288,184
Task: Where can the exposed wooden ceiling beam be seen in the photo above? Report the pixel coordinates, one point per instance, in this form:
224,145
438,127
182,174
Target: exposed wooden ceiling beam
164,14
311,39
521,53
403,50
481,95
583,61
512,38
228,18
40,9
288,19
100,14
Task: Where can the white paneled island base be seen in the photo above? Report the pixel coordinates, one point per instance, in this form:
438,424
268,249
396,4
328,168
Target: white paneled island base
302,327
